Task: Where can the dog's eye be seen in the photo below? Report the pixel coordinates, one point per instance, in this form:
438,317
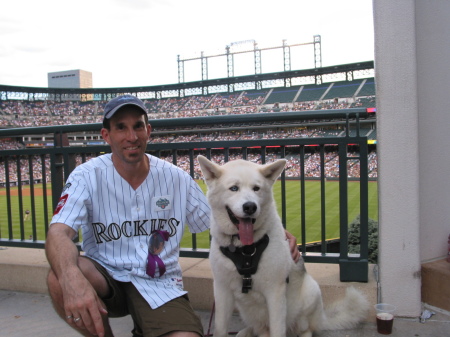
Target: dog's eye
234,188
256,188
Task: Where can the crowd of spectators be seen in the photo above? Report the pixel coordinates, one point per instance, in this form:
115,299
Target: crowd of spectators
249,134
8,144
23,166
312,163
24,113
367,102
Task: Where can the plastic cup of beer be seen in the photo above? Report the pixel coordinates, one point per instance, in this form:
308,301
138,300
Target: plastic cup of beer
385,318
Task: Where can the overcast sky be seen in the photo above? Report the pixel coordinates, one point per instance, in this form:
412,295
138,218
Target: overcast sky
127,43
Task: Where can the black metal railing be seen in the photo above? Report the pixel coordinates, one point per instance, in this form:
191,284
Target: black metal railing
26,188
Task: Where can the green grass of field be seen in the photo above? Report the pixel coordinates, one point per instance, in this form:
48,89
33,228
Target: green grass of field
293,212
26,204
313,209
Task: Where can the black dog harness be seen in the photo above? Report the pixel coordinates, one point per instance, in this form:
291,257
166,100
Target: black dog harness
246,259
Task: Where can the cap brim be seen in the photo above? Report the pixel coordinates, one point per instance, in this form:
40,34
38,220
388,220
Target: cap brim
113,111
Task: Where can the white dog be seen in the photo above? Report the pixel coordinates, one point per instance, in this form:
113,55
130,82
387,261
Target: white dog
251,262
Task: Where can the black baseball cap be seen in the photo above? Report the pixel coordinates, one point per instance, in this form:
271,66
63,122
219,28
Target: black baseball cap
116,103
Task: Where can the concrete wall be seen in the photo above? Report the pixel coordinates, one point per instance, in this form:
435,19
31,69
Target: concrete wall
26,269
433,88
412,76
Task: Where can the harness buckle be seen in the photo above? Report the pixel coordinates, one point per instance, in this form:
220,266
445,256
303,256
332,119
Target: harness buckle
246,284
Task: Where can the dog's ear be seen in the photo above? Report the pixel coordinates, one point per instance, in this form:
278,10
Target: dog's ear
209,169
272,171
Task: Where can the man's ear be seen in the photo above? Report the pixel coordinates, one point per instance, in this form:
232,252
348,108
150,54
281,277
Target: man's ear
149,130
105,134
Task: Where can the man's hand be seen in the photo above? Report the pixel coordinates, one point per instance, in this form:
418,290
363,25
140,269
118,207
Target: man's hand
82,305
74,282
293,246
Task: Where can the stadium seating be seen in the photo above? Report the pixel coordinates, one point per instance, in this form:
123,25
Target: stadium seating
282,95
368,88
312,92
343,89
337,95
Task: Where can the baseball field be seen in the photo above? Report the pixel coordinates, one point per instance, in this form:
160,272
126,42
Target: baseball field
293,212
313,209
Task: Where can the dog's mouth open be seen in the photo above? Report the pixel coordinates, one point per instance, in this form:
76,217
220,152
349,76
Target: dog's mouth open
245,227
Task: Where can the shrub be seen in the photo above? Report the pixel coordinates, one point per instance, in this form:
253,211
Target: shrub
354,238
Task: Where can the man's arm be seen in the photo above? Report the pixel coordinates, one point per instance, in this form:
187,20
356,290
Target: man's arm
79,298
62,254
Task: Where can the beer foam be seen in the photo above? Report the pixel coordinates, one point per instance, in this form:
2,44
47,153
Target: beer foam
385,316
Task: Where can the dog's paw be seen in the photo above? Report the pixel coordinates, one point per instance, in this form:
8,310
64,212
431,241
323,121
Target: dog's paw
246,332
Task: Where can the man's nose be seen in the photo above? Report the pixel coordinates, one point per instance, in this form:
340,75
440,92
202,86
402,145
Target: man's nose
132,135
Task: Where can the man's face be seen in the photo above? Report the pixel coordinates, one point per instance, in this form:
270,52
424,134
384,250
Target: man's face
128,135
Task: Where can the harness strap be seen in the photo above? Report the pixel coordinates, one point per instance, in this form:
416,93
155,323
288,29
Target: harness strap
246,260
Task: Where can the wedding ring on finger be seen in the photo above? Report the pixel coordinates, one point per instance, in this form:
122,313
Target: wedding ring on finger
69,317
76,319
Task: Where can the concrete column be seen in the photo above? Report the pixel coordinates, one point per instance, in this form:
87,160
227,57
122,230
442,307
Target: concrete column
398,153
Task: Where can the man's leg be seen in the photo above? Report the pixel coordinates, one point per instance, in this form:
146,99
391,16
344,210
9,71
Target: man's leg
99,284
174,319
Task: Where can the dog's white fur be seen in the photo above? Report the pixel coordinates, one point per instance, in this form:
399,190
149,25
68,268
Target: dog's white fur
272,307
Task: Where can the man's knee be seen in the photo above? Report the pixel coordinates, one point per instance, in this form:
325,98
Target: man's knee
94,276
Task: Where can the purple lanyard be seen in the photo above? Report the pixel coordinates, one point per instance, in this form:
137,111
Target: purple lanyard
155,246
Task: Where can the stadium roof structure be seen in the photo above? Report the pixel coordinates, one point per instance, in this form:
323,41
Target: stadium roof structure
229,84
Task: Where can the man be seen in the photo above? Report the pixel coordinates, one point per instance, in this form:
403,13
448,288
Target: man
121,201
27,214
131,208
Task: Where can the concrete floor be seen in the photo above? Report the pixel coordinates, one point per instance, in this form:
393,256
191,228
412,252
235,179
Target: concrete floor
31,314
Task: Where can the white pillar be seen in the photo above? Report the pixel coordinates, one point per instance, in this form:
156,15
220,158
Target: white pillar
398,153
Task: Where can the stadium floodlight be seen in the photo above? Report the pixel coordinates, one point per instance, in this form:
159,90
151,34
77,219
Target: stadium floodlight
249,46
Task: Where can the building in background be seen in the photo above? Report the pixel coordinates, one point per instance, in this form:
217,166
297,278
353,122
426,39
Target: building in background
71,79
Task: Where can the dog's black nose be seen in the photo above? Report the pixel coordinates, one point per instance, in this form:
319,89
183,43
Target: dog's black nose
249,208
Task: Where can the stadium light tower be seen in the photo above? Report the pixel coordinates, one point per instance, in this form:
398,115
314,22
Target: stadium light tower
317,51
250,46
180,69
287,62
318,56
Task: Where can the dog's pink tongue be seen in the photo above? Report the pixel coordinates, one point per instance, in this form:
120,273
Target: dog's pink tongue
246,231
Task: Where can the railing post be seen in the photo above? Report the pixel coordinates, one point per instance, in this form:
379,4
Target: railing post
62,164
350,269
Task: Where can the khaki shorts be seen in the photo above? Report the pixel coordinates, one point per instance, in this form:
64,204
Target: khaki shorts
124,299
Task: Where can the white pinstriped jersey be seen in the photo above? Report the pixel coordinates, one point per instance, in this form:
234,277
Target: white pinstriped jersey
116,220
